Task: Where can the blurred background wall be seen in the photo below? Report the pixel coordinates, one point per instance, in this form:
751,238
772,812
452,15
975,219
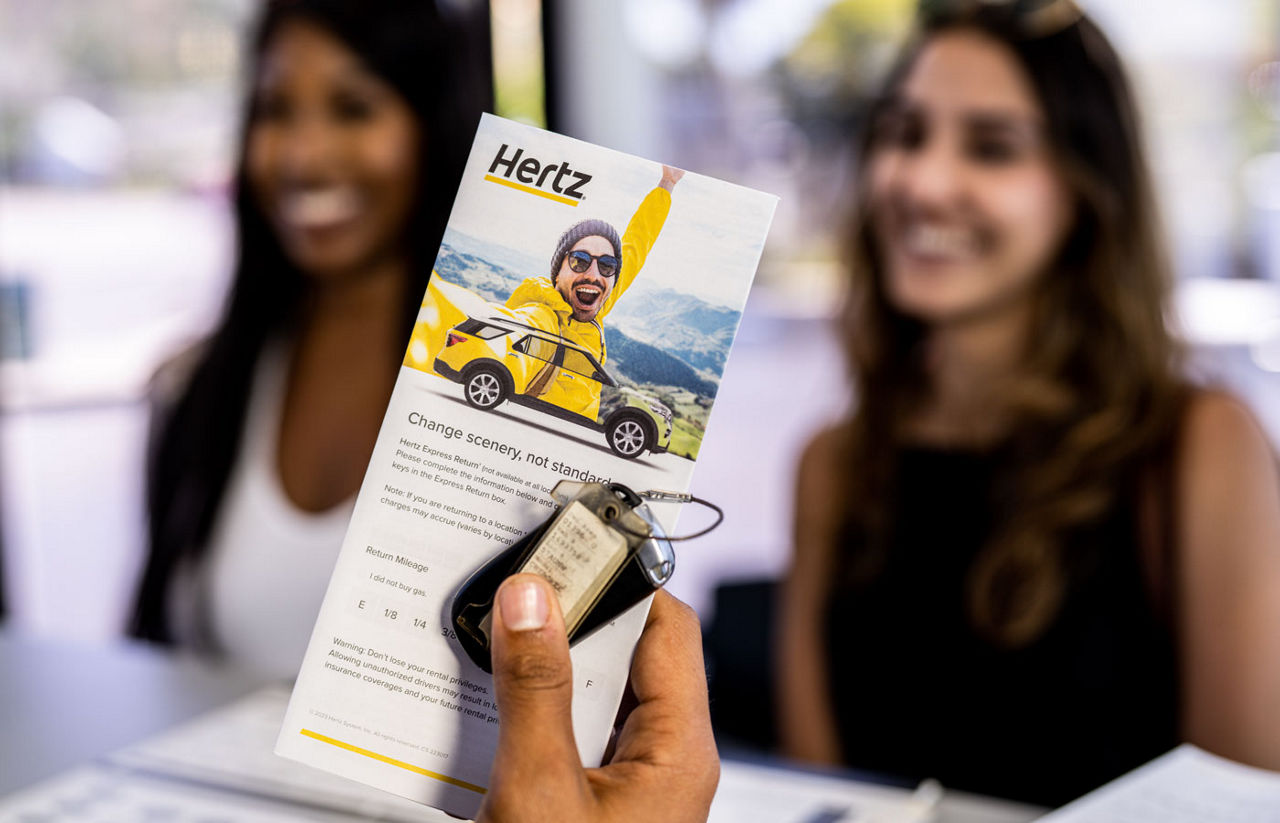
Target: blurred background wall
117,130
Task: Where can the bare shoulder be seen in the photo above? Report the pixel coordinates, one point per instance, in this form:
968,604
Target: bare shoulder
1222,442
822,446
1228,479
1216,418
820,463
1229,594
819,496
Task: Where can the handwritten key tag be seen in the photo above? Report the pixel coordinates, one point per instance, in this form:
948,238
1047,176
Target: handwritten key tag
602,551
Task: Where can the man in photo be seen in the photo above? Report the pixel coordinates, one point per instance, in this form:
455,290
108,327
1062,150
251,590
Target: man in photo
591,269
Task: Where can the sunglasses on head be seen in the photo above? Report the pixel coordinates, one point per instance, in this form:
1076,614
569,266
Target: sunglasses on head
1035,18
606,264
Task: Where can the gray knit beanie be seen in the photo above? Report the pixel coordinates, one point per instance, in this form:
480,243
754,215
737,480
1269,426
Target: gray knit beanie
576,232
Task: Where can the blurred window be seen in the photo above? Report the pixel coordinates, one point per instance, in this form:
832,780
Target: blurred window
579,362
770,93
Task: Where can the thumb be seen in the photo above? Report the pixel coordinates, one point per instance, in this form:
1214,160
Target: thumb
533,681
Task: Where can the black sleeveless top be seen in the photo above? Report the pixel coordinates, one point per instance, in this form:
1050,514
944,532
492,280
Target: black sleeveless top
918,693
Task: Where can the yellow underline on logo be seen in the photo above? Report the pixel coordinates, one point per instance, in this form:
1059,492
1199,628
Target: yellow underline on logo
568,201
453,781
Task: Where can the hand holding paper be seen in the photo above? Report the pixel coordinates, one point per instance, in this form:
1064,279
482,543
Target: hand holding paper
665,765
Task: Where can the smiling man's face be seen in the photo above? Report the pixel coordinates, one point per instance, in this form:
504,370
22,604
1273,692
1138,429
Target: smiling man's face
586,292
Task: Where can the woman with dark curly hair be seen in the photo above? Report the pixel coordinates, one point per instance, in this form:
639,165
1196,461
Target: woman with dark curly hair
1035,555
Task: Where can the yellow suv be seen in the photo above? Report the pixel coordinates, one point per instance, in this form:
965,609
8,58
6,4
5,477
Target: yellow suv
499,358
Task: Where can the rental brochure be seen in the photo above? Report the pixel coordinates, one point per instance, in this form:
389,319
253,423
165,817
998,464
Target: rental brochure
576,325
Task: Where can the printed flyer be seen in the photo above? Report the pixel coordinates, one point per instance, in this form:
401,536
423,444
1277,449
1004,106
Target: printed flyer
578,320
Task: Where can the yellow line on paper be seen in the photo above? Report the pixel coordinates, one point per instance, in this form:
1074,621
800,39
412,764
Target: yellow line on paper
444,778
568,201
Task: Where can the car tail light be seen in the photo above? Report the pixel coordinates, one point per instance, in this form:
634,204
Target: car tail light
454,338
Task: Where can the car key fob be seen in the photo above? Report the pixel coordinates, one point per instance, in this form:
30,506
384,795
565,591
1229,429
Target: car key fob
602,550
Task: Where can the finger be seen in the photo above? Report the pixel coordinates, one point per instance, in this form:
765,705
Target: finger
533,679
666,752
672,720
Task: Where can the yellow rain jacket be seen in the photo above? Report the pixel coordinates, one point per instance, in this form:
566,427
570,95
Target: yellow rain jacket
545,308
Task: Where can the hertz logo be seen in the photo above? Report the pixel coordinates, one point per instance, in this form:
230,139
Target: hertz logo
564,182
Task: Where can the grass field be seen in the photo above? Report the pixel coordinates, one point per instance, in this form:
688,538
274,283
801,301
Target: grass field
689,412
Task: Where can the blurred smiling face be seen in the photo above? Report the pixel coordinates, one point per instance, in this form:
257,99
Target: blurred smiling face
967,208
585,291
332,154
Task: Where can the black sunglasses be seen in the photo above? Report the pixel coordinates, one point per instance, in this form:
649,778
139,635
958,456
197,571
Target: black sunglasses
606,264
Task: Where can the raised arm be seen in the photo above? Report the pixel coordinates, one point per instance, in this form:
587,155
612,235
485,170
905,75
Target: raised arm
806,716
670,176
642,233
1229,575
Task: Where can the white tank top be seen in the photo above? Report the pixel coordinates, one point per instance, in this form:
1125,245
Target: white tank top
269,562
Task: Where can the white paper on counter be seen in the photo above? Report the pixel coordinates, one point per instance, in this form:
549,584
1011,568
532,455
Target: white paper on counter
1187,785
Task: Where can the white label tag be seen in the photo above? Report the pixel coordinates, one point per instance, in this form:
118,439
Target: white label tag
577,555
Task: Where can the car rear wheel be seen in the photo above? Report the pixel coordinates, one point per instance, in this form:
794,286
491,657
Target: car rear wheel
628,436
485,388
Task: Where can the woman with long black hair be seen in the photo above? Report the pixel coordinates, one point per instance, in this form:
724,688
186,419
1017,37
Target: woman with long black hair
358,121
